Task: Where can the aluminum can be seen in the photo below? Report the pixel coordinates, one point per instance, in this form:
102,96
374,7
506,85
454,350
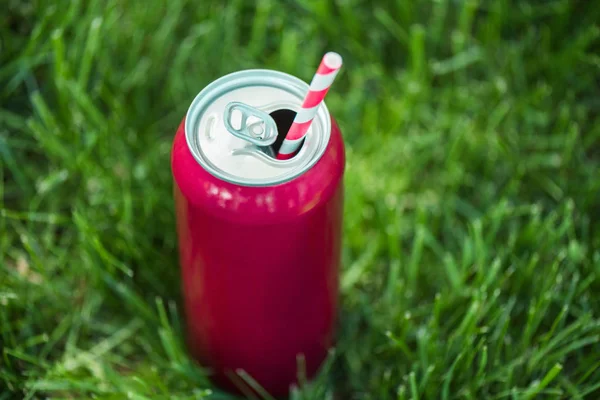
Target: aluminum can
259,238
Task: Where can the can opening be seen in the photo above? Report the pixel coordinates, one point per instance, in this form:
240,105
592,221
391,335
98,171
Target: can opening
283,119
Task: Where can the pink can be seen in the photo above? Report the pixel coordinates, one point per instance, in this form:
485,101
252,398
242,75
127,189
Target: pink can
259,238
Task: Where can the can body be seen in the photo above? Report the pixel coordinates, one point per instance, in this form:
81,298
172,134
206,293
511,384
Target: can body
259,267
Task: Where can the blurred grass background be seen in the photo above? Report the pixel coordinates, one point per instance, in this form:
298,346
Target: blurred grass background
472,249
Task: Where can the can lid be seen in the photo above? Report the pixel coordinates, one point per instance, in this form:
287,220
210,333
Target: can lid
229,128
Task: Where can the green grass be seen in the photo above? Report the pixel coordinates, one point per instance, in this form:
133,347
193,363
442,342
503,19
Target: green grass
471,257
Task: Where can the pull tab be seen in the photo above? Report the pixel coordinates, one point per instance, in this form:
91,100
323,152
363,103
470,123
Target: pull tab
262,132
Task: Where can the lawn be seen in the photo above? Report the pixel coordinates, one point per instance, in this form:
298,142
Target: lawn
471,257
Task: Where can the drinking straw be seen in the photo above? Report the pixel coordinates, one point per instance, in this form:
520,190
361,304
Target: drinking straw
319,86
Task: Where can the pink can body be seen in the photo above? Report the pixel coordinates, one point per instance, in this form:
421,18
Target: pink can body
259,267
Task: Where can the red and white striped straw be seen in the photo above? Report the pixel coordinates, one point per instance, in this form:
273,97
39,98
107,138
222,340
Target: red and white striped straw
319,86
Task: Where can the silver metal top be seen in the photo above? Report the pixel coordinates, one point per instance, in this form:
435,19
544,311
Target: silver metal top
228,128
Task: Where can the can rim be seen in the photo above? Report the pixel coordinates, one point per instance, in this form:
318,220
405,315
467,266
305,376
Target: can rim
256,77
